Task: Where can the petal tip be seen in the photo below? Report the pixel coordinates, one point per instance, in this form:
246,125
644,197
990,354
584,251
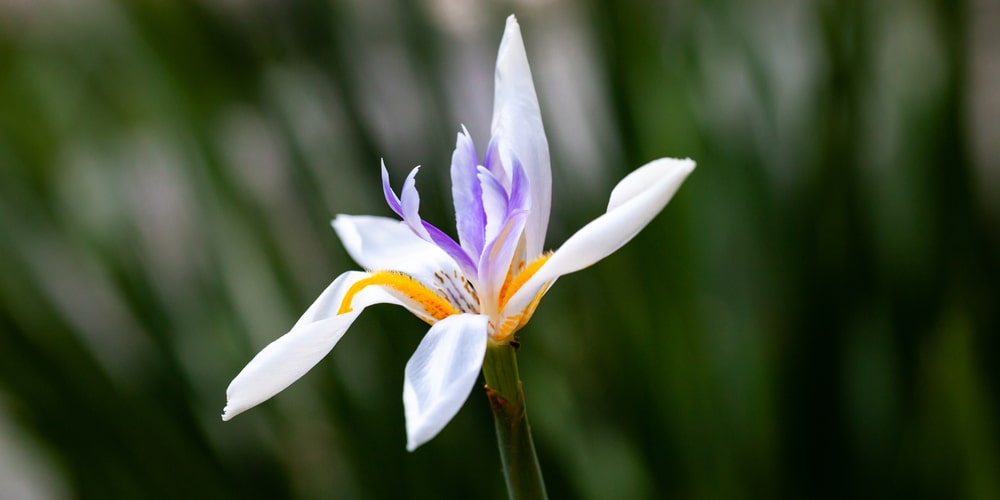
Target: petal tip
418,435
229,412
441,374
688,164
511,35
412,445
681,164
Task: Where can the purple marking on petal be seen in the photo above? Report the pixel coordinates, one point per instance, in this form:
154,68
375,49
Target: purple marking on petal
390,196
493,164
470,217
520,190
496,258
408,207
494,203
446,243
410,203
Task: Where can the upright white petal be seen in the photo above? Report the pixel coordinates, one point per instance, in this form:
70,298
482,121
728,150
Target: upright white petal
634,202
292,355
441,374
517,126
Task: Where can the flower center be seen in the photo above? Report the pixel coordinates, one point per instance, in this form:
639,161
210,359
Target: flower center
452,294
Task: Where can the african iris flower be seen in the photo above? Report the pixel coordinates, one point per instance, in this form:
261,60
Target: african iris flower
476,291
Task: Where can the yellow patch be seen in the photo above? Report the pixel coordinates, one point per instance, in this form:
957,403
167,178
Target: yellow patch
515,322
406,288
510,287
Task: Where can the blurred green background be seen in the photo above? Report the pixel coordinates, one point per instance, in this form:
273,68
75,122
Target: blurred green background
815,315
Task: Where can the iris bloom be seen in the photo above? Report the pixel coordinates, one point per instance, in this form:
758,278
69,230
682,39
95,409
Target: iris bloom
474,291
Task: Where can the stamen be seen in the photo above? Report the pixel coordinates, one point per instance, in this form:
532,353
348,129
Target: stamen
452,289
405,288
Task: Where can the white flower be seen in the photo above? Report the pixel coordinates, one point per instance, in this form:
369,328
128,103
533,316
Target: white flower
479,289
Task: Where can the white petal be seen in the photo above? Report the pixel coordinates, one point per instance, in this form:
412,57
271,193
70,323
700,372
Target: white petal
638,198
327,305
381,244
441,374
517,125
292,355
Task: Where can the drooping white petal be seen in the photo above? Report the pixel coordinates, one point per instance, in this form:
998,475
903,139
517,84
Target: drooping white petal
633,204
517,126
292,355
441,374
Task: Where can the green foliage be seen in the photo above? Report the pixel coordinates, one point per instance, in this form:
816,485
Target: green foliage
814,315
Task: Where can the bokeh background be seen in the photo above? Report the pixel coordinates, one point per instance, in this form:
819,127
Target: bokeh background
815,315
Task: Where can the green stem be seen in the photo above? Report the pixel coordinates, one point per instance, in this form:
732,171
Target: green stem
517,451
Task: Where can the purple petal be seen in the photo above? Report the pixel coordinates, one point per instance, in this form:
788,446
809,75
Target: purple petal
410,204
493,163
390,196
499,253
496,258
520,190
494,203
409,210
446,243
470,217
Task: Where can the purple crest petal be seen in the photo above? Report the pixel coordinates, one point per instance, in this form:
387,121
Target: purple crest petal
390,196
499,253
470,217
493,163
520,190
495,199
496,258
408,207
410,201
446,243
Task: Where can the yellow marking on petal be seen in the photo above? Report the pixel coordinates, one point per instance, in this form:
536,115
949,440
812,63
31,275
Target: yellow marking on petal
509,287
405,288
515,322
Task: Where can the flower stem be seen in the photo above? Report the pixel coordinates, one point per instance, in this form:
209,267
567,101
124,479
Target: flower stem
517,451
